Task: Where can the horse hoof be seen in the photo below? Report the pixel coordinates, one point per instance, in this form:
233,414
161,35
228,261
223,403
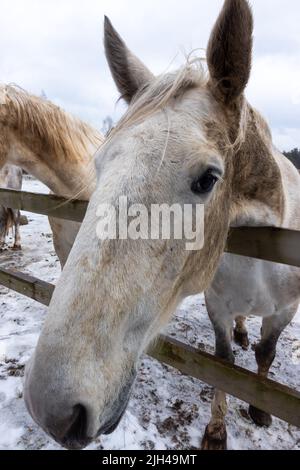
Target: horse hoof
17,248
260,418
241,339
215,439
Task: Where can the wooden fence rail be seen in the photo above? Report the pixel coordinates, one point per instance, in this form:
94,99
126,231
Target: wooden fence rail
45,204
265,394
26,285
270,244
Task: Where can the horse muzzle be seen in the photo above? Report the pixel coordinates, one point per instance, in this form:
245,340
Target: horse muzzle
70,422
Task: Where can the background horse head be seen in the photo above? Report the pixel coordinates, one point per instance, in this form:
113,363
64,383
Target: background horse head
188,138
45,141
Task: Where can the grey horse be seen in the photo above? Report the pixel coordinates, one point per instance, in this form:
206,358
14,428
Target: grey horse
11,177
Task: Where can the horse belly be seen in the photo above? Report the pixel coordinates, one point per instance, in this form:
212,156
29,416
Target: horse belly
246,286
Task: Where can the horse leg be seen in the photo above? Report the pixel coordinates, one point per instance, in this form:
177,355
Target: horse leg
215,437
240,333
3,228
2,242
2,237
17,218
265,353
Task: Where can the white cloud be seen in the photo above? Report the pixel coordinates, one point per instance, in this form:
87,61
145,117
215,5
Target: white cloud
56,45
286,138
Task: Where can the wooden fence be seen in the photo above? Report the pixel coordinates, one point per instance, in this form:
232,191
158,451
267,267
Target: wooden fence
276,245
270,244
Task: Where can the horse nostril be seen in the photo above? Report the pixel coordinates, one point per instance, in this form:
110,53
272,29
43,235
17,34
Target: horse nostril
76,436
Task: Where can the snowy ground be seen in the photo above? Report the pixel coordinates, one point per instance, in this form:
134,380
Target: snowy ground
167,410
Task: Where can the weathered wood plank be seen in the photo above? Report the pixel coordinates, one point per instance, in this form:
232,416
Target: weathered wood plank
265,394
270,244
266,243
45,204
27,285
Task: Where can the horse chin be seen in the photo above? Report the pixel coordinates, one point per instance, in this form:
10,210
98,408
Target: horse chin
75,445
111,426
113,423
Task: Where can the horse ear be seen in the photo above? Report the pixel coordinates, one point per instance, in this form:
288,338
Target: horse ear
229,52
129,73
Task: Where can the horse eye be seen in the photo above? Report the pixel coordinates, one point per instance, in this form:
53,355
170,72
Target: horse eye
205,184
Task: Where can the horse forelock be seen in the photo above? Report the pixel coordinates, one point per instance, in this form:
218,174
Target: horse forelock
157,94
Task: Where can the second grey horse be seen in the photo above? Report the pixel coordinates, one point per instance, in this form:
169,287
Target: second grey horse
11,177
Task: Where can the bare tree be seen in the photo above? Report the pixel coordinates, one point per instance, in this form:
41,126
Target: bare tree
43,95
107,125
294,156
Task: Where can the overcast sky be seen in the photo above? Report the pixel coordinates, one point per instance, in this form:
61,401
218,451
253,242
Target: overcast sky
56,46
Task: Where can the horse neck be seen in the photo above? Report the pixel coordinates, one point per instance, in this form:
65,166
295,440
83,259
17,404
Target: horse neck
291,188
67,177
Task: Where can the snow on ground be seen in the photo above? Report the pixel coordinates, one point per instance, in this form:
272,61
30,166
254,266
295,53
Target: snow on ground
168,410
